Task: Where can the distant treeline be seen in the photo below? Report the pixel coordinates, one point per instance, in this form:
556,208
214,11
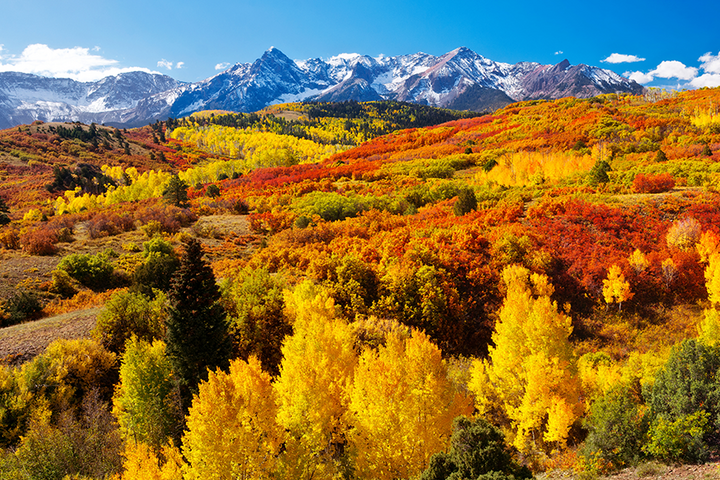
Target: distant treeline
362,120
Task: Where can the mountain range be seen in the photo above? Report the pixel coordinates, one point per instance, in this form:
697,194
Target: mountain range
460,79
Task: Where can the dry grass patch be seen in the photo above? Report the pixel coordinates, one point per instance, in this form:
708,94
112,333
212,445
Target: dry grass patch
20,343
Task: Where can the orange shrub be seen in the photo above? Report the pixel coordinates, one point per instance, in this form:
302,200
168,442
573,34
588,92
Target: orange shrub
82,300
106,224
170,218
653,183
40,241
270,222
10,239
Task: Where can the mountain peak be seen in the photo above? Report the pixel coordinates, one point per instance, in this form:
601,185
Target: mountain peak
564,65
460,78
275,60
273,52
462,51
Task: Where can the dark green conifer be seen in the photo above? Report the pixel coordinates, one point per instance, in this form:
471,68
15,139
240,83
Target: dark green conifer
466,202
660,156
213,191
175,192
598,174
196,326
477,451
4,212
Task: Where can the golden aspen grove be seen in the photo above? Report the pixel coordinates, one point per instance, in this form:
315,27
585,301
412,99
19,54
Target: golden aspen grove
392,291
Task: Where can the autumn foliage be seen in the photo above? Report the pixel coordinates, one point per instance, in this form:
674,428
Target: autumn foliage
367,275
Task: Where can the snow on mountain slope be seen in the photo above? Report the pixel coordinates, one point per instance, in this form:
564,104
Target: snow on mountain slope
25,98
459,79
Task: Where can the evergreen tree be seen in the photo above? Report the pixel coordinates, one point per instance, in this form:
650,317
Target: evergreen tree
466,202
4,212
598,174
175,192
196,326
660,156
213,191
477,450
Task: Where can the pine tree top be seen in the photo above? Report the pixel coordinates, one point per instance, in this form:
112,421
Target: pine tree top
193,285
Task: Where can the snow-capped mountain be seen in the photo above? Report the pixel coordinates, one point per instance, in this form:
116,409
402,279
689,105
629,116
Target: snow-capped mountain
25,98
460,79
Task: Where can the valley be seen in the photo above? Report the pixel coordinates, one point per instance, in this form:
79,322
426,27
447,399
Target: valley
542,278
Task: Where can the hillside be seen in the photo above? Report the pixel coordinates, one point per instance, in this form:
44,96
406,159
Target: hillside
570,245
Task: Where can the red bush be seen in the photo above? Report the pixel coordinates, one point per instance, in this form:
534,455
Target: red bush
171,218
40,241
270,222
63,226
106,224
653,183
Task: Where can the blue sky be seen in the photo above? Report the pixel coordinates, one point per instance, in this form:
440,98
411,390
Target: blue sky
658,43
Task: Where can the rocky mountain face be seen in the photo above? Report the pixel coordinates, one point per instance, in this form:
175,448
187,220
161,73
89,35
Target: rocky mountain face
460,79
25,98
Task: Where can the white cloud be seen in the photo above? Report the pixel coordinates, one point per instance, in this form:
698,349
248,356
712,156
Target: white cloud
639,77
666,69
674,69
76,63
710,63
165,64
622,58
179,65
222,66
706,80
559,52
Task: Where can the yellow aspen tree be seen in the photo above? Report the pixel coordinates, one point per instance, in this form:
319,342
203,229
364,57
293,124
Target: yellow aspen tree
709,328
144,401
403,405
598,374
528,384
317,367
615,288
141,463
683,234
712,279
231,430
708,245
638,261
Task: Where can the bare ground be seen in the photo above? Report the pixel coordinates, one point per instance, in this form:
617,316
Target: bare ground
648,471
20,343
707,471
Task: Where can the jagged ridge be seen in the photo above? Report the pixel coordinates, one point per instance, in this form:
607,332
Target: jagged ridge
460,79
